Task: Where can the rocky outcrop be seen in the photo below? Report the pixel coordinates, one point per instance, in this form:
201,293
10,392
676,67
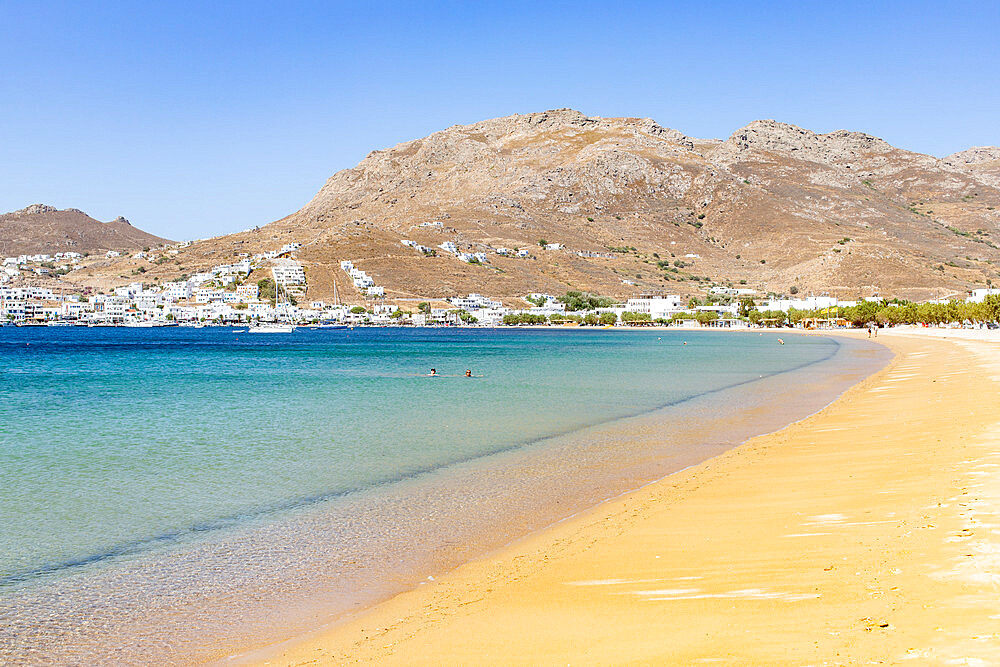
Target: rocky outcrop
975,155
982,162
838,147
35,209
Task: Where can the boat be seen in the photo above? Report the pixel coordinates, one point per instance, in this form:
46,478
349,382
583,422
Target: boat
336,302
272,328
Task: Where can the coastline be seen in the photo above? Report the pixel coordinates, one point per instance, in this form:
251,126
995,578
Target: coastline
234,590
813,542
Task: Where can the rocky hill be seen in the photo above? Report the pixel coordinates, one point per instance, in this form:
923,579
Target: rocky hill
639,207
983,161
45,229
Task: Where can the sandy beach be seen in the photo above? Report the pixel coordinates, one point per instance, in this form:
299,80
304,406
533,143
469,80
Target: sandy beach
864,534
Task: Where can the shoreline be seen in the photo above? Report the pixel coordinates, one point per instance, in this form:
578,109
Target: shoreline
520,605
429,525
784,399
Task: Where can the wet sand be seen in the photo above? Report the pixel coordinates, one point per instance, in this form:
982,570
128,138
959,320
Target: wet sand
865,533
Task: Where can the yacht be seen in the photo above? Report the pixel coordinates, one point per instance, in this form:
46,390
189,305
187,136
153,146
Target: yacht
272,328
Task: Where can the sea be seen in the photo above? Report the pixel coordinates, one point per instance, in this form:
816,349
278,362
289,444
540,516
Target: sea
190,495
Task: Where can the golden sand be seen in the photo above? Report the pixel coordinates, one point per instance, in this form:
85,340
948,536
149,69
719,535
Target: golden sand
863,534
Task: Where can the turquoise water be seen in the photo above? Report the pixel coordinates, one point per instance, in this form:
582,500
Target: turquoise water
227,455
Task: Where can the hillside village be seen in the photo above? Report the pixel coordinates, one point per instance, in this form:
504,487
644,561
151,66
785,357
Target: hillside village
226,295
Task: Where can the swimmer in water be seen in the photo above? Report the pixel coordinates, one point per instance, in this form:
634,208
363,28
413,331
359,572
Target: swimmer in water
433,371
468,373
781,341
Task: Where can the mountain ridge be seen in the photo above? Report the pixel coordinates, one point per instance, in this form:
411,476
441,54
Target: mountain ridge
773,206
44,229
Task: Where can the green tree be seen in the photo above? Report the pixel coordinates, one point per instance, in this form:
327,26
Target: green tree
536,300
576,300
267,290
990,308
524,318
609,318
746,307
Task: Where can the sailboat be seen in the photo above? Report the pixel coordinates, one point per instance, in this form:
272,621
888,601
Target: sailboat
273,327
336,302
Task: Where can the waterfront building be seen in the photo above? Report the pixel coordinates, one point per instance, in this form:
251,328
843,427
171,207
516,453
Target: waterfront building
807,303
979,295
657,306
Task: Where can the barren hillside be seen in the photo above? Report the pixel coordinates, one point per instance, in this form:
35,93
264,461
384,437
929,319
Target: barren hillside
44,229
639,207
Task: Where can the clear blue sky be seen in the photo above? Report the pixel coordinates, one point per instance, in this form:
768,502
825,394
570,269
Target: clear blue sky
196,119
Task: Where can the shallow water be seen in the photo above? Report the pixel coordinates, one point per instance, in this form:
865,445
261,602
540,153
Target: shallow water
185,494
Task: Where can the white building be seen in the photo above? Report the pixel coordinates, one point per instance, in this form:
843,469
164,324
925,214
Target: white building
655,305
248,291
111,308
129,291
491,317
205,295
979,295
808,303
474,302
288,272
12,309
178,291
